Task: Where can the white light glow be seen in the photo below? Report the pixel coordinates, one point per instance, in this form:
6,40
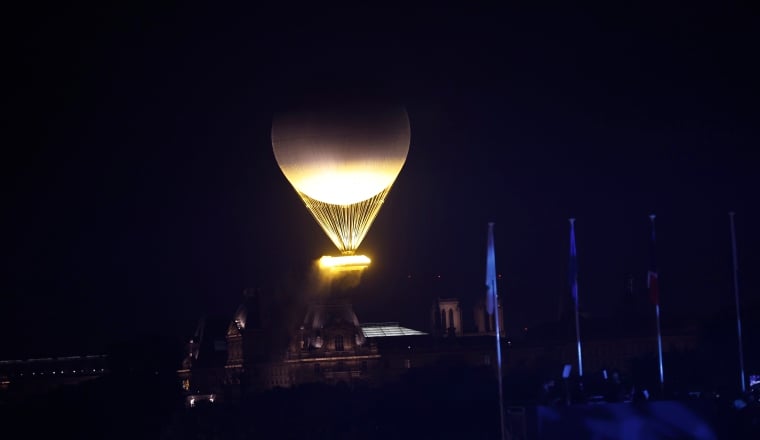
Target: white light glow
344,184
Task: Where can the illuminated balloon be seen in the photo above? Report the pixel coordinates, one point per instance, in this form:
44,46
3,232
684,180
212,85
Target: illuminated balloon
342,161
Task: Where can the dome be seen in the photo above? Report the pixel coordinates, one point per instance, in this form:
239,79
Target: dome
319,316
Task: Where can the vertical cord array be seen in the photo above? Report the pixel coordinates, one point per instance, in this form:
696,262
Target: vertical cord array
346,225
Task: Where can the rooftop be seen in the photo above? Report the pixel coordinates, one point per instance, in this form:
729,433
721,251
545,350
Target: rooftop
383,329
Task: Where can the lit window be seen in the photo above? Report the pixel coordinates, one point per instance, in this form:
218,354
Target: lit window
339,343
185,384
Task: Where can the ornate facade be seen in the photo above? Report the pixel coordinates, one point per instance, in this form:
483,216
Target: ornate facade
330,346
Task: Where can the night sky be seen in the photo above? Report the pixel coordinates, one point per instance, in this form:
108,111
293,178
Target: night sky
141,191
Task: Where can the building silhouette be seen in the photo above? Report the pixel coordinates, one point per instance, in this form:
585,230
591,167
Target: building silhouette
331,346
247,353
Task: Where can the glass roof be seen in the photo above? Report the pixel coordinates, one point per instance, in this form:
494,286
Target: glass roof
380,330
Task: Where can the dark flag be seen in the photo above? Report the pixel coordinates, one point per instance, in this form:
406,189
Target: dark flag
573,273
654,295
652,284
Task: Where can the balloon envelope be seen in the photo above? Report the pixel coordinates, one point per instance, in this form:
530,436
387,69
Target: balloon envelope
344,155
342,161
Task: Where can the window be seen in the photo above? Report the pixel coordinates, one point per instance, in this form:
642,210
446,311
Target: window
316,369
339,343
443,319
408,363
487,359
451,318
364,365
185,384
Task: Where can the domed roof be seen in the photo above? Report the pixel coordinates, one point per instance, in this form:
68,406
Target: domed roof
324,315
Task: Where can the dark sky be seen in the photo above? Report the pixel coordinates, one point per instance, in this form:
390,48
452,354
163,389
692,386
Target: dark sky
142,192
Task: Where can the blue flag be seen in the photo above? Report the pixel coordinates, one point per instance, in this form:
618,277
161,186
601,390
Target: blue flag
490,272
573,266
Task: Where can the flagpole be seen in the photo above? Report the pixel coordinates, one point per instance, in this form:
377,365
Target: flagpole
574,288
659,348
498,362
494,299
657,314
736,296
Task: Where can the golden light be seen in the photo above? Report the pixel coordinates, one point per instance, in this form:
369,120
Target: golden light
345,262
342,162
